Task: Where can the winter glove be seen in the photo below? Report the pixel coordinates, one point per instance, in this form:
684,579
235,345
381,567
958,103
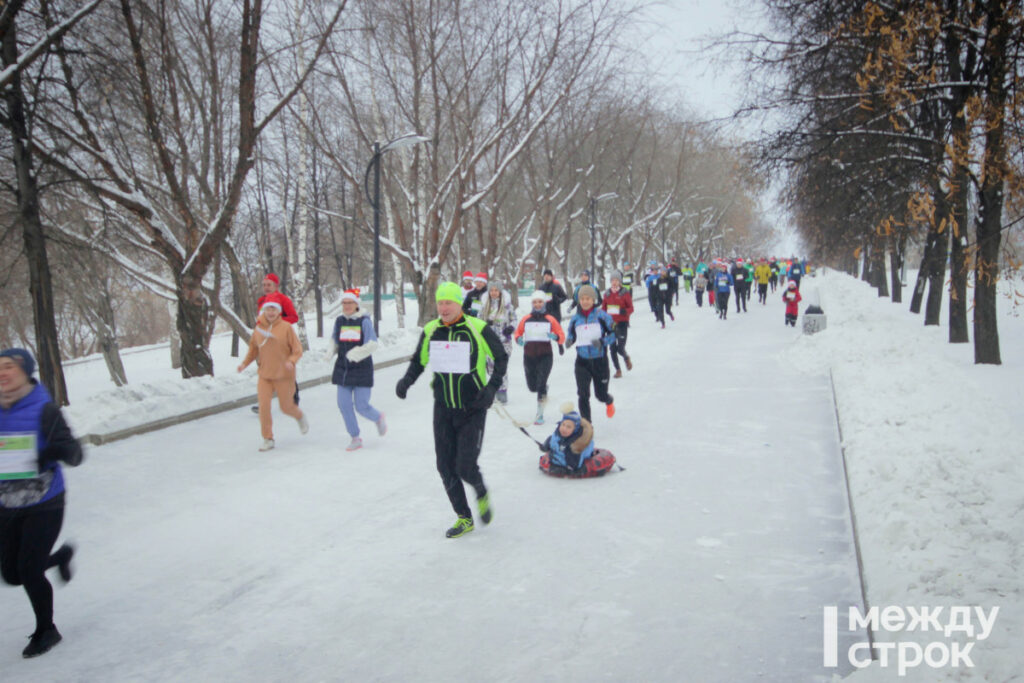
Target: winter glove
568,344
552,336
521,341
561,350
508,330
596,343
484,399
402,388
610,338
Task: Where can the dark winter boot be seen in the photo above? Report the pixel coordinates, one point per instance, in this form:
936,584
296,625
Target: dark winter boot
41,642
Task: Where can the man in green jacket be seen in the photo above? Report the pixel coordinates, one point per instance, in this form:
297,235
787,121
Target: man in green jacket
458,345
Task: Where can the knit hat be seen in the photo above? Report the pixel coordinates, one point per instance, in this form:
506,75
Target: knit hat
616,275
585,271
273,278
467,275
539,296
495,283
588,290
448,291
791,285
547,271
569,413
480,277
351,295
22,358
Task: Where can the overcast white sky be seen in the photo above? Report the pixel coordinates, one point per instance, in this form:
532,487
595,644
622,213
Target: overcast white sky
712,83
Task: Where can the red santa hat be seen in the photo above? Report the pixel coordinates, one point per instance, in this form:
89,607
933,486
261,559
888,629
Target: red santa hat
480,277
273,300
273,278
351,295
467,275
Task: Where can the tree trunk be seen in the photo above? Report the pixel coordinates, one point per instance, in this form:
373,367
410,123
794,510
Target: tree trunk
175,340
40,284
922,272
993,180
939,252
878,267
896,258
193,323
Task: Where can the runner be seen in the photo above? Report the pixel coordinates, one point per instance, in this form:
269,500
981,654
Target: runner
499,314
355,342
459,346
618,303
474,298
277,347
700,283
763,275
739,277
535,333
272,285
32,505
723,283
595,332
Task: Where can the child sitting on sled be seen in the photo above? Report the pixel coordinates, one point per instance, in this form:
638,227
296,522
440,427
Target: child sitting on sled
571,444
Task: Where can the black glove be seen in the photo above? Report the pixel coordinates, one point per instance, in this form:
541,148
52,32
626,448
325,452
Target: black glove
402,388
484,399
542,447
508,330
561,350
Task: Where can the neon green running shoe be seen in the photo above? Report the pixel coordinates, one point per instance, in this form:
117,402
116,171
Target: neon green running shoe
483,504
463,525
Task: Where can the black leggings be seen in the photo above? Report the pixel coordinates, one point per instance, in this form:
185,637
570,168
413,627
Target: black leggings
537,369
592,370
26,539
458,436
619,347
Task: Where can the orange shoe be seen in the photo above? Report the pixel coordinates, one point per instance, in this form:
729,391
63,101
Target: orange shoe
609,410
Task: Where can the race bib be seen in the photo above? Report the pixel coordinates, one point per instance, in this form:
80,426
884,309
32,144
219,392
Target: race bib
449,357
349,333
547,296
587,333
476,305
613,309
739,277
663,286
533,332
18,456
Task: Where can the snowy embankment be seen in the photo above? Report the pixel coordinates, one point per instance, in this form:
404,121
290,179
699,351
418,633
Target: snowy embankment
933,449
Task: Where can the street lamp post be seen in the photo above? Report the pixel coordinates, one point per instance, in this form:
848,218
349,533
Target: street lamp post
378,151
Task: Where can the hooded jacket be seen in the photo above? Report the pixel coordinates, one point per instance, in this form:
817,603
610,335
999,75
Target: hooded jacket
572,451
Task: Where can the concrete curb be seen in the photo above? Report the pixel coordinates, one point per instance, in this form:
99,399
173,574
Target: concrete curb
163,423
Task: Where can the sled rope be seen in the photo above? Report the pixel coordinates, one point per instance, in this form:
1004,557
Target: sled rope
504,414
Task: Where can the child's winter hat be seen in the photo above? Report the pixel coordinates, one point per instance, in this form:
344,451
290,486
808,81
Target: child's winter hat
351,295
588,290
569,413
22,358
494,283
790,285
539,296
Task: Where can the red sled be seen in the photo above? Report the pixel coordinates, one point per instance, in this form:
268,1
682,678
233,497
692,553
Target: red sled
597,465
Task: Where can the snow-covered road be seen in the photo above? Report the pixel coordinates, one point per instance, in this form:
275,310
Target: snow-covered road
709,559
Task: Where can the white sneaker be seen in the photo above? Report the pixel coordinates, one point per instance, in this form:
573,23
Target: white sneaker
355,445
267,444
382,426
303,423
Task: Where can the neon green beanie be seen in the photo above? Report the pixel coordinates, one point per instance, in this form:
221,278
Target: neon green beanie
448,291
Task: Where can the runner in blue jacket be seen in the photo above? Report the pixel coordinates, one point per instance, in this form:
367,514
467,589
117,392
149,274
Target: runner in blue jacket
723,283
595,331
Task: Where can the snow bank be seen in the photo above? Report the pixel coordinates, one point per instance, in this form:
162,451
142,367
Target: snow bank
933,448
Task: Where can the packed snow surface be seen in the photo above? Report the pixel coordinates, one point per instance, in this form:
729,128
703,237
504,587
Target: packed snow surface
710,558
